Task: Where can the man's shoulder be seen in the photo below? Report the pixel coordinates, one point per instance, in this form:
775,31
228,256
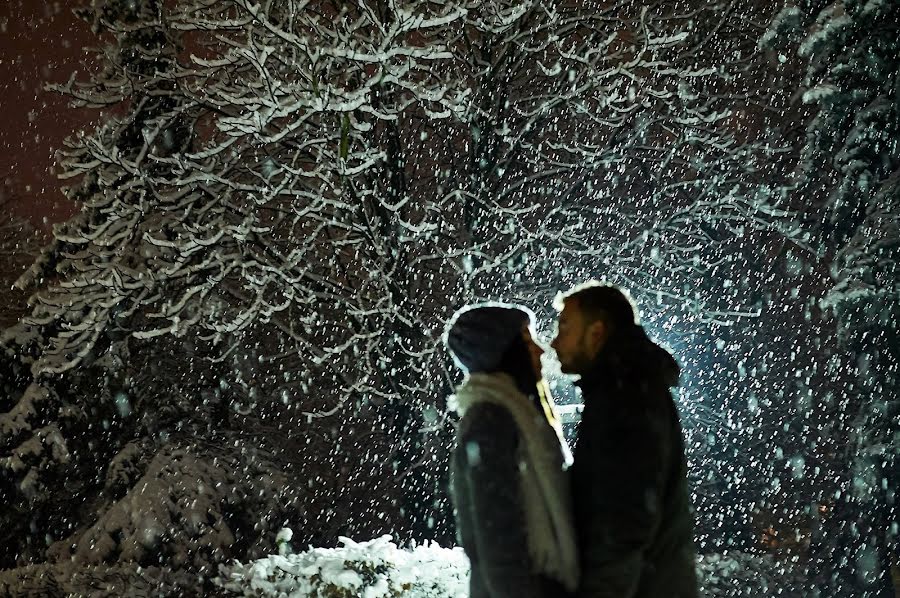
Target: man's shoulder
629,406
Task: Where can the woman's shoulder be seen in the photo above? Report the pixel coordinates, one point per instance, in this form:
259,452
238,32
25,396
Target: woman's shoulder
487,418
488,412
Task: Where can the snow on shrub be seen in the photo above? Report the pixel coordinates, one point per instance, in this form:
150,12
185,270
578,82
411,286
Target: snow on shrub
373,569
98,581
379,569
742,575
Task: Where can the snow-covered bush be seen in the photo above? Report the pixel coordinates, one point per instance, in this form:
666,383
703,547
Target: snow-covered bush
100,581
373,569
743,575
379,569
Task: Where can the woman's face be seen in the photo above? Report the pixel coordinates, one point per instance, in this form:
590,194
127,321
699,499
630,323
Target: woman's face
534,350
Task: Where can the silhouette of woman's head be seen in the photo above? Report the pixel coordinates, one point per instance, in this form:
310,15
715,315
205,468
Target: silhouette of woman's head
496,337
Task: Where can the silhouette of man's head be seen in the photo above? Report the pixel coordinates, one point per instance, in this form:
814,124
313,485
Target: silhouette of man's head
590,315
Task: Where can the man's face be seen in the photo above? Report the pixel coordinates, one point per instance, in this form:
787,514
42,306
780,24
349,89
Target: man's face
575,343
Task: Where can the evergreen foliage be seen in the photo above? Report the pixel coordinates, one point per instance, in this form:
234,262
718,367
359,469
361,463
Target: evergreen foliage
850,175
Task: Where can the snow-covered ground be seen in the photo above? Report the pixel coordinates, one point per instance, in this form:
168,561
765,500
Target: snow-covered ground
377,568
381,569
374,569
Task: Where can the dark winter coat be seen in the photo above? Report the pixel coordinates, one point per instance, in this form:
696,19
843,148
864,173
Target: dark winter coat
490,511
629,480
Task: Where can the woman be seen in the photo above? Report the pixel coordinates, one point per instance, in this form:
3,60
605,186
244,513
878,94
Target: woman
509,489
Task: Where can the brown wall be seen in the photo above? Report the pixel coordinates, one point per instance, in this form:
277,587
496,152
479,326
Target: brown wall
39,42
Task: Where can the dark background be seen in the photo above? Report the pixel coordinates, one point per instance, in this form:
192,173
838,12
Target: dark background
40,42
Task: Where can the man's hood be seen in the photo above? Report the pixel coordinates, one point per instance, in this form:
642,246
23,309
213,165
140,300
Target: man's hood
633,354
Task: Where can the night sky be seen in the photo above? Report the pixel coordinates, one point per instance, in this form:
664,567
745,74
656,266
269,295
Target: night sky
39,42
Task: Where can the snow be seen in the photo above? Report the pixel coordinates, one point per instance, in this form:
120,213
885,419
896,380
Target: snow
832,26
379,568
16,420
743,575
374,569
274,238
106,581
819,93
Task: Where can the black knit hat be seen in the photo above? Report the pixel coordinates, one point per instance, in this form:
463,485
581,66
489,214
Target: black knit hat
478,335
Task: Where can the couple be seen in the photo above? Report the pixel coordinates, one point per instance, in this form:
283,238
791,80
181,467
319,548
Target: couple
617,523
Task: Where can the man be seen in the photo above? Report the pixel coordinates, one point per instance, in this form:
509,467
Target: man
629,478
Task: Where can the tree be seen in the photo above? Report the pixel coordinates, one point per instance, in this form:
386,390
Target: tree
19,244
288,199
850,170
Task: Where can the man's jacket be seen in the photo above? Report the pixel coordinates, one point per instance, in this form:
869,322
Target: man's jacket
629,479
